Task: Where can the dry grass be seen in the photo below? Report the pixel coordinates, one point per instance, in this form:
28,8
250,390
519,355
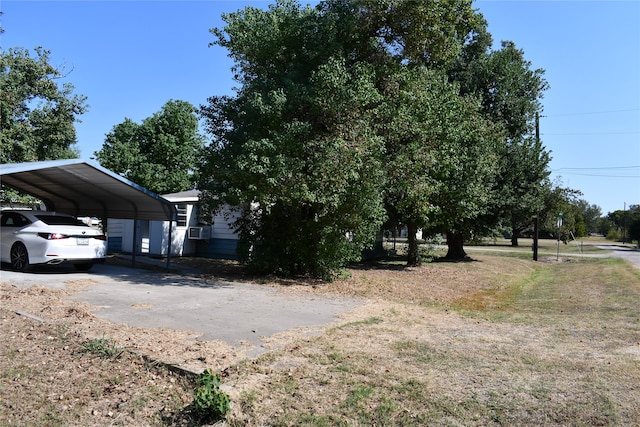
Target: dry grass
496,341
517,344
53,376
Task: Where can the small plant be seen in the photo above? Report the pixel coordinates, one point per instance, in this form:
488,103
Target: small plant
101,347
210,403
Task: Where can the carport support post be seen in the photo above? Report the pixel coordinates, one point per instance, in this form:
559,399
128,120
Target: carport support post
169,240
135,241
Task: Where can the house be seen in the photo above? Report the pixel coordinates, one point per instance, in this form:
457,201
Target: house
192,235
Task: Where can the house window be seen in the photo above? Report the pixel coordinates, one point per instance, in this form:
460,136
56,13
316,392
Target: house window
182,215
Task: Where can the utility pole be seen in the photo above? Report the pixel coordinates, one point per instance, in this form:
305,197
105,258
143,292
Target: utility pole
624,224
536,219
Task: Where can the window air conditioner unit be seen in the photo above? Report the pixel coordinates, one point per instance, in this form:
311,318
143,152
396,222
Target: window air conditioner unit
200,233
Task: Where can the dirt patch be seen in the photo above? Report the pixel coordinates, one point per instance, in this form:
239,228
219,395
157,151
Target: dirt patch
49,378
142,306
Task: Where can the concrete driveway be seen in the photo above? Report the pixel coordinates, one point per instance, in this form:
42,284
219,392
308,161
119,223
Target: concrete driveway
231,312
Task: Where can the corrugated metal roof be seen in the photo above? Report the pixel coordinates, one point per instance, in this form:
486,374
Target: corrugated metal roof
82,188
183,196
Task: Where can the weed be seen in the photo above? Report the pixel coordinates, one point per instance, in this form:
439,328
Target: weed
150,365
210,404
341,368
335,357
101,347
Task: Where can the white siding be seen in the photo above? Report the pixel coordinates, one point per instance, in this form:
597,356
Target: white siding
222,225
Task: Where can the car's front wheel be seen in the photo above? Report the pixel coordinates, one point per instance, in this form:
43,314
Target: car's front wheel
19,257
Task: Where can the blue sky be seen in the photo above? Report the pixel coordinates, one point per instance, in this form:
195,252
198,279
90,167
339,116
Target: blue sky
131,57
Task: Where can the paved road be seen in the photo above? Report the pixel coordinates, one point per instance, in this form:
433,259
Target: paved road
625,252
231,312
630,254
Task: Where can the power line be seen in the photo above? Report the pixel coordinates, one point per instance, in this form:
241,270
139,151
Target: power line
600,175
586,171
592,133
568,171
599,168
592,112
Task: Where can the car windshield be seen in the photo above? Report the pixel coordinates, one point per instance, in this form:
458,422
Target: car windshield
59,220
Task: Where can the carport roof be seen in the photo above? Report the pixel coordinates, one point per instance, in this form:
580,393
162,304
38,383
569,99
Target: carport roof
81,188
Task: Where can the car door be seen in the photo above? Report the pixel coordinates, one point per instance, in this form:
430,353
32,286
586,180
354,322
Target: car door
10,224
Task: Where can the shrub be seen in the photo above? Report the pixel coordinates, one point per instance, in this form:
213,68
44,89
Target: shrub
613,235
210,404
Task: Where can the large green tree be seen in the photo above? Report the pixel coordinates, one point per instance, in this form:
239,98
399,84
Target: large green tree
450,36
633,227
360,76
558,200
161,153
441,156
590,213
37,111
627,223
296,145
511,93
433,180
429,33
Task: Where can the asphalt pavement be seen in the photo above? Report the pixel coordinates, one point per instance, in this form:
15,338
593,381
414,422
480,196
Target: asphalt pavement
629,253
625,252
231,312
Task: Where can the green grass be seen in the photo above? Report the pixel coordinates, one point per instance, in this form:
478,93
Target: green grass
592,289
547,246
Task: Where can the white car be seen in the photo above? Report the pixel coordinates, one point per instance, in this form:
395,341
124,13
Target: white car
43,237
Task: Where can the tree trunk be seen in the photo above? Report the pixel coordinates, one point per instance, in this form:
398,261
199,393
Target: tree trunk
413,258
455,243
514,237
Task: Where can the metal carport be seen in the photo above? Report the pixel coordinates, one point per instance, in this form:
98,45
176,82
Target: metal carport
81,188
